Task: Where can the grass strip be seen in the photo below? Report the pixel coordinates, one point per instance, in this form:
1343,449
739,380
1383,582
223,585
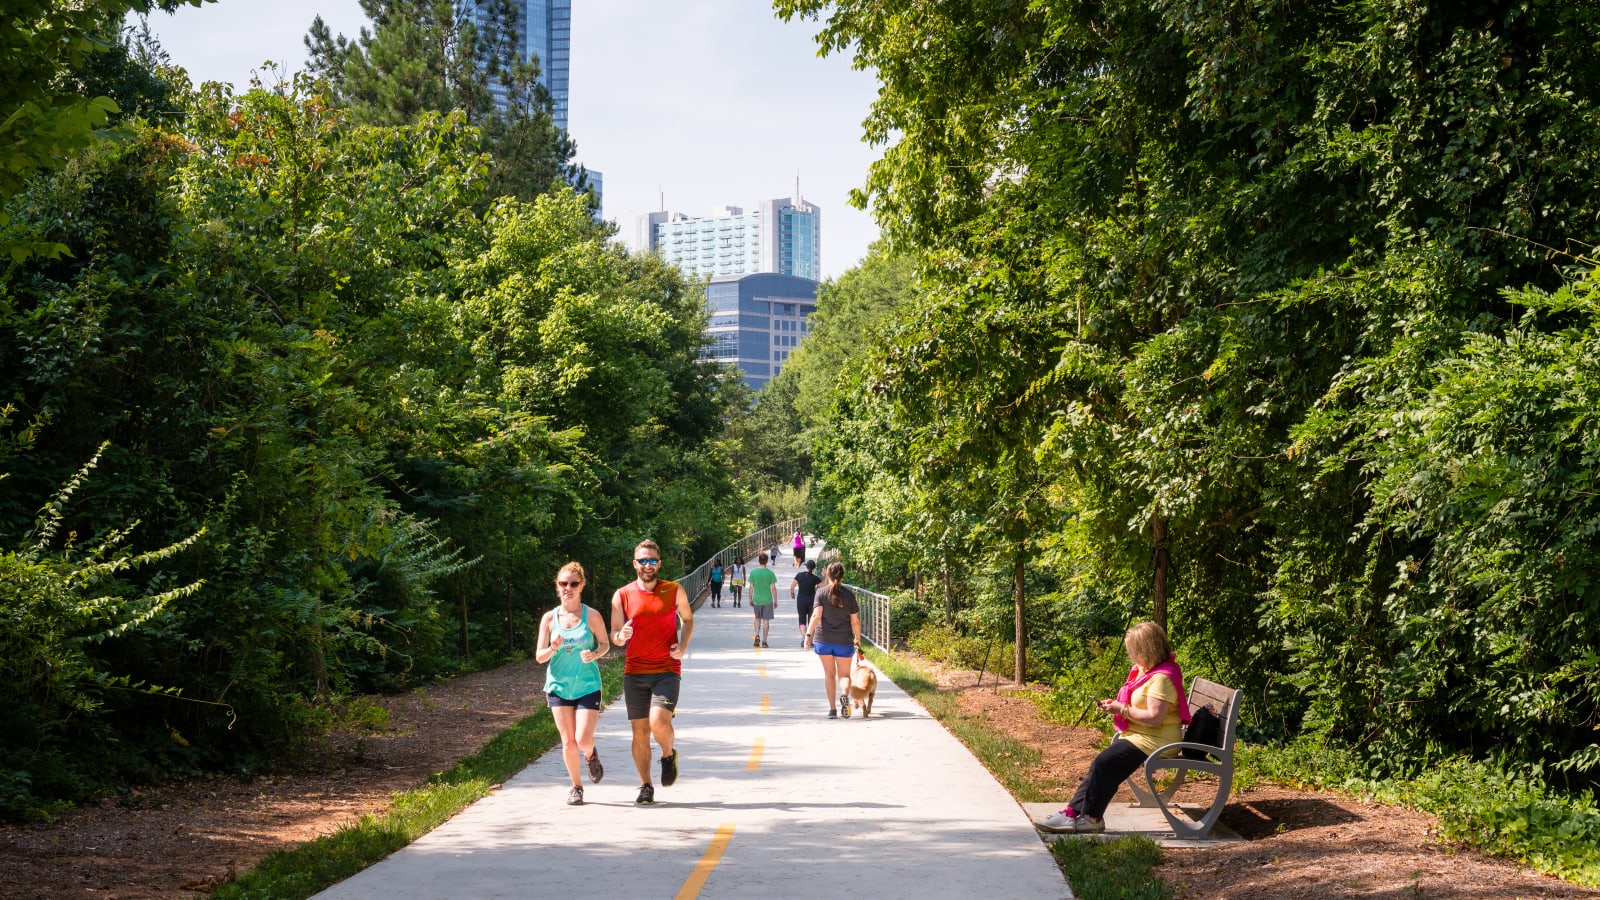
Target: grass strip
1096,870
1112,870
315,865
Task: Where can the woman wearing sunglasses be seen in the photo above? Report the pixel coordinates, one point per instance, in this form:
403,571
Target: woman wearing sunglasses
572,638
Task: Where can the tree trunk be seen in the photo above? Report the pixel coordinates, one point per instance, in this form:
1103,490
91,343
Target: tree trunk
466,650
1018,570
511,628
949,599
1158,527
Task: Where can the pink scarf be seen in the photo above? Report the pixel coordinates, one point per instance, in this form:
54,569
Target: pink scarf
1136,679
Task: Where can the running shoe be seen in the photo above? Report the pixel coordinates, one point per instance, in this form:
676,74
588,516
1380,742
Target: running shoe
647,795
669,769
576,797
833,714
596,771
844,706
763,644
1089,825
1059,823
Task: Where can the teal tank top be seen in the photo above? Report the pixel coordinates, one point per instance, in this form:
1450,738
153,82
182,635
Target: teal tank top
567,675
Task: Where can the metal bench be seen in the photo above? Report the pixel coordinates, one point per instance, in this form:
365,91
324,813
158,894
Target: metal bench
1225,703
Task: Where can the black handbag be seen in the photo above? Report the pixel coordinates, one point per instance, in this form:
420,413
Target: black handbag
1204,728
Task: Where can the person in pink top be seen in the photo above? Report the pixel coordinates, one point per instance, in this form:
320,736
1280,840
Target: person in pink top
1148,712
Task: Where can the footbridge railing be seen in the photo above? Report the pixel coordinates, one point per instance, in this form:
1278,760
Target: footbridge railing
874,612
697,583
874,607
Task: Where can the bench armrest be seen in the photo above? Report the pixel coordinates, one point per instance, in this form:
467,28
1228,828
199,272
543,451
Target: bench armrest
1212,749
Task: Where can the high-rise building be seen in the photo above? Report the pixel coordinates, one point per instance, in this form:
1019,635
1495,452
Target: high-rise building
758,320
543,33
782,236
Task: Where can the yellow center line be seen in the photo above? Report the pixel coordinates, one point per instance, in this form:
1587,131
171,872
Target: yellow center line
755,754
766,703
762,669
702,870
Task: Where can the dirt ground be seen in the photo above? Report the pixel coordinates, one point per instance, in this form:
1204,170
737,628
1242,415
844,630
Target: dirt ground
1298,844
180,840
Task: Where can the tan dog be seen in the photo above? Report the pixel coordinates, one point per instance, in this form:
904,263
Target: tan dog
863,686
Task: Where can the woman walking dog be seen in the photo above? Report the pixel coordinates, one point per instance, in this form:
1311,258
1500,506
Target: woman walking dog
835,634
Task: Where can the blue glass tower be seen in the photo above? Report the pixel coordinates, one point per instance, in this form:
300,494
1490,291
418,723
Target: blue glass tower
543,33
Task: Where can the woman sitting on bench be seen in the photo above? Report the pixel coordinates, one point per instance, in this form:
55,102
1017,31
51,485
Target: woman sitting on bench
1149,711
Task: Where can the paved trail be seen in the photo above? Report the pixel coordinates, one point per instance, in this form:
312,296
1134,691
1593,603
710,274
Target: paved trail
774,800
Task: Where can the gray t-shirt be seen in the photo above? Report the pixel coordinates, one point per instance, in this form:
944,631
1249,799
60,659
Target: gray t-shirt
835,627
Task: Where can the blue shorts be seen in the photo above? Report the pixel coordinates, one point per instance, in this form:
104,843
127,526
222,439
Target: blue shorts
587,701
844,650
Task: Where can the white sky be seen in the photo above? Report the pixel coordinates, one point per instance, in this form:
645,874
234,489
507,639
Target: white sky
711,102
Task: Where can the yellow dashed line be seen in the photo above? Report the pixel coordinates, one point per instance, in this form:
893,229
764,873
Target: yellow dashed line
755,754
762,669
702,870
766,703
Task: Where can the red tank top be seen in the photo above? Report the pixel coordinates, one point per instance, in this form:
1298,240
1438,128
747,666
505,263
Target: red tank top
654,616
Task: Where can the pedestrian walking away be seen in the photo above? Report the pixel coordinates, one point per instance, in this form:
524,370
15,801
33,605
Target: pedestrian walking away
799,548
1148,712
736,576
716,582
572,639
763,599
835,635
653,620
803,591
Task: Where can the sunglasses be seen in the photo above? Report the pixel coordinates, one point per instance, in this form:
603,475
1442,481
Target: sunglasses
648,562
570,583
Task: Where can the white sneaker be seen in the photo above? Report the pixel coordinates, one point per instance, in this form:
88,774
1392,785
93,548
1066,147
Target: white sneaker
1059,823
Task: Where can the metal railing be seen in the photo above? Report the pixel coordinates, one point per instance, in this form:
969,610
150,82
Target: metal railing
697,584
874,611
873,607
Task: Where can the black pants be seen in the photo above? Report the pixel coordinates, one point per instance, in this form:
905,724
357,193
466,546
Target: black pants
1108,771
716,591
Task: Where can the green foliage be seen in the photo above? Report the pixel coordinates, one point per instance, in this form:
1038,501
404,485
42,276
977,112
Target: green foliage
1076,688
1254,321
46,114
392,412
59,598
435,56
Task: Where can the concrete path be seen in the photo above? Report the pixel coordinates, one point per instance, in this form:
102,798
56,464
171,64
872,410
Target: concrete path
773,800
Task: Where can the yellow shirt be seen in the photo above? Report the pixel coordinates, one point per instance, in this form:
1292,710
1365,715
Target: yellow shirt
1170,731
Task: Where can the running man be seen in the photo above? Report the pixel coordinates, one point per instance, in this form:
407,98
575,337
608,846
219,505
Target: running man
653,620
763,598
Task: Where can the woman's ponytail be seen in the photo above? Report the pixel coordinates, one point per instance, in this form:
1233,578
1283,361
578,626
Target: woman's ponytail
836,588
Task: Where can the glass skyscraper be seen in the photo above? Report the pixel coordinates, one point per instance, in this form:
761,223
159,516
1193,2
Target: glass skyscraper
757,321
543,33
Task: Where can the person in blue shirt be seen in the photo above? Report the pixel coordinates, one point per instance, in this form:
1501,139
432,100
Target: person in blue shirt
572,639
716,582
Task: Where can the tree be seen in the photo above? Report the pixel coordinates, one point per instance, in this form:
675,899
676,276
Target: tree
43,122
1232,246
436,56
